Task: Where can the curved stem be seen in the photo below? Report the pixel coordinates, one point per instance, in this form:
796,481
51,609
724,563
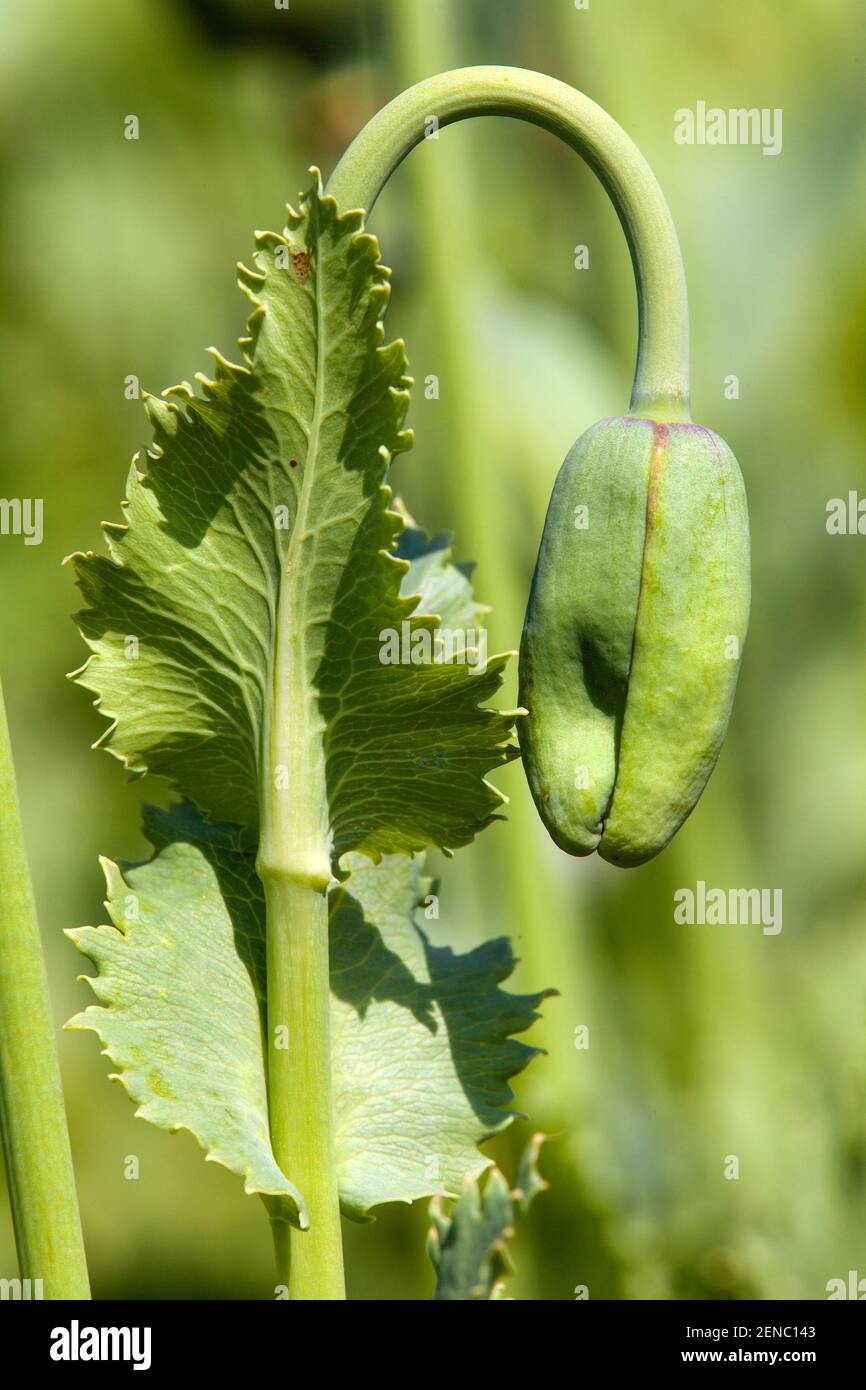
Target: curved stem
661,384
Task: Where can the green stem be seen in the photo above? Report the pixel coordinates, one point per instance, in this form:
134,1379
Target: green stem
661,384
32,1115
299,1083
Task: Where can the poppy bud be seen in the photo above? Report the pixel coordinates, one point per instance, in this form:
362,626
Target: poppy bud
633,634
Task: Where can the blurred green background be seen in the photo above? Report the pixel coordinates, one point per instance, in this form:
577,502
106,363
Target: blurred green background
117,257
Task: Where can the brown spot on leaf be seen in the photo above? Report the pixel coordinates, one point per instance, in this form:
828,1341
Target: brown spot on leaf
302,264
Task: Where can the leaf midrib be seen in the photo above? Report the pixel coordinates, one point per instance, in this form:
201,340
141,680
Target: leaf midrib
295,832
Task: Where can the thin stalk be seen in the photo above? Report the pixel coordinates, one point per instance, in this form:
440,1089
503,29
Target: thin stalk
32,1115
661,384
